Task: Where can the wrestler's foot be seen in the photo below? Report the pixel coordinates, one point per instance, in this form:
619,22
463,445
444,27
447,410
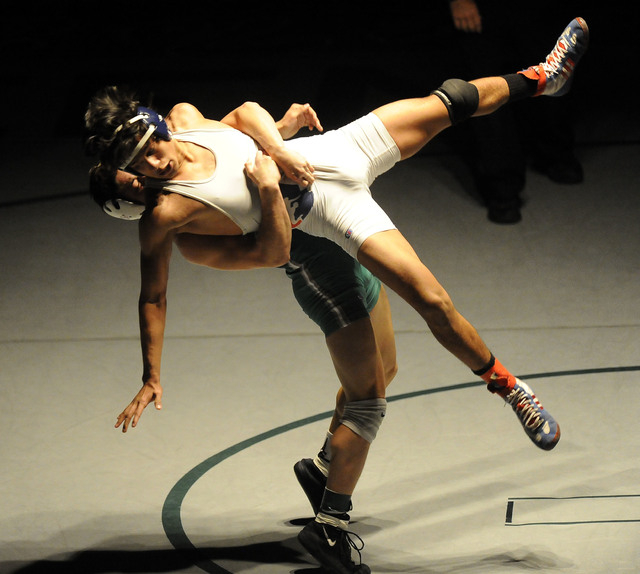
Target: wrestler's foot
539,425
555,74
331,546
312,481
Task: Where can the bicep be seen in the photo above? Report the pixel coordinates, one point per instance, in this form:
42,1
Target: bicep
234,118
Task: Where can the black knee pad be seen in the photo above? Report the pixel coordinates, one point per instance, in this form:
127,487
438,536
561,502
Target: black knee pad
460,97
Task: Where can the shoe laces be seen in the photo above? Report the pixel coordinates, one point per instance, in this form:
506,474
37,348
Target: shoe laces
524,406
555,62
357,546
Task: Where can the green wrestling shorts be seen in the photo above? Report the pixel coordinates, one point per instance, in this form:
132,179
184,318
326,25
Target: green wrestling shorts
331,287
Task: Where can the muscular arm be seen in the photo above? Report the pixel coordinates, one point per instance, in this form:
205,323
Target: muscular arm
252,119
268,247
155,255
255,121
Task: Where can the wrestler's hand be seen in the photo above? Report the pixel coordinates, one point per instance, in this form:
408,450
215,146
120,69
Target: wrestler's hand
466,16
148,393
298,116
294,166
263,171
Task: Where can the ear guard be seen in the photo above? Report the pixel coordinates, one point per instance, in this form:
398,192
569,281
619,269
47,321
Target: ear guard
123,209
155,124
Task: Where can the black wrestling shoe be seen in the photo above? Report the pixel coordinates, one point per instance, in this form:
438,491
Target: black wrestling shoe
312,482
332,546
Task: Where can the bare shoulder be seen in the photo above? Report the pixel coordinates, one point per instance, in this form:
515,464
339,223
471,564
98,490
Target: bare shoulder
185,116
166,217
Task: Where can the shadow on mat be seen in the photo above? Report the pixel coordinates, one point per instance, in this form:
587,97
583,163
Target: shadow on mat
277,552
164,560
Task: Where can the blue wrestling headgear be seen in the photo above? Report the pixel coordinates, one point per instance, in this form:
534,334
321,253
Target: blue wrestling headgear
123,209
155,124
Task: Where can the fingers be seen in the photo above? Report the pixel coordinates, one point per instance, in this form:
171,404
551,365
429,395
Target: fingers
466,16
302,173
131,415
311,118
469,25
263,170
122,418
259,162
266,170
158,400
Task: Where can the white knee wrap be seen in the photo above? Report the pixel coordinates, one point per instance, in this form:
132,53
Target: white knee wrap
365,417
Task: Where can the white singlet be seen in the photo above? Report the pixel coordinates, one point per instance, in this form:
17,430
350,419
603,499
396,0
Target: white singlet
346,162
229,190
338,205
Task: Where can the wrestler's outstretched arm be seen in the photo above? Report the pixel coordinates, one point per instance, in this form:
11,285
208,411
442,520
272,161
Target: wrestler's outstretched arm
269,246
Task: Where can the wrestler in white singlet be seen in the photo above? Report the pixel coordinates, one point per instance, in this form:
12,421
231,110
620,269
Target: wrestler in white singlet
338,205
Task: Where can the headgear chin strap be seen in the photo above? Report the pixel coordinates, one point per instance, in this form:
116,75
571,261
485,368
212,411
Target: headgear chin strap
155,124
123,209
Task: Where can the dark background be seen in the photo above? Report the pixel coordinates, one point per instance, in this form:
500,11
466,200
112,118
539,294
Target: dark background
343,58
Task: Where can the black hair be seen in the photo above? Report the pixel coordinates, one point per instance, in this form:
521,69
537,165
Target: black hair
109,109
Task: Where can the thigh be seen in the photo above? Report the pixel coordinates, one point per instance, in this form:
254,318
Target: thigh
358,361
390,257
345,213
359,152
385,336
412,123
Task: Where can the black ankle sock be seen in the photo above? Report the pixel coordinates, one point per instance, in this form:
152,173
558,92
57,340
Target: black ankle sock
483,370
334,503
520,87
